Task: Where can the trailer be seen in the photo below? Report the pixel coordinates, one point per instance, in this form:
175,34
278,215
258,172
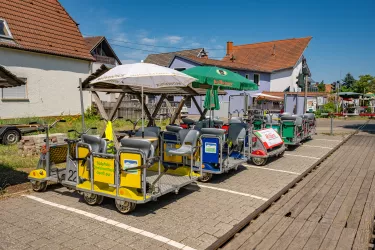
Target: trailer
12,133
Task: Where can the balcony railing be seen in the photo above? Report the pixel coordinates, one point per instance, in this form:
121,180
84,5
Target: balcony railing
105,59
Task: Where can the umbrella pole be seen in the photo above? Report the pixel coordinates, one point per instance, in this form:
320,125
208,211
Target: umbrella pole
143,130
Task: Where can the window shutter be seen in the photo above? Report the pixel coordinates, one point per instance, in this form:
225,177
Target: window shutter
15,92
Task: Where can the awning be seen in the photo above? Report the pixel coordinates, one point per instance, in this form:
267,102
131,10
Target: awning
8,79
105,87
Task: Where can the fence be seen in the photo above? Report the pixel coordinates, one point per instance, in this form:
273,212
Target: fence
130,108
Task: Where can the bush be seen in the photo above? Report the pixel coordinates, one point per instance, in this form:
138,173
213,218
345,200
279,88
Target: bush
91,113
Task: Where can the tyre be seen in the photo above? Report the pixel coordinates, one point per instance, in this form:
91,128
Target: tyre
11,137
206,177
39,186
259,161
92,199
125,207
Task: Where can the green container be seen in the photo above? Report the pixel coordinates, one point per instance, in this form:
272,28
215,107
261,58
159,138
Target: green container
288,132
257,124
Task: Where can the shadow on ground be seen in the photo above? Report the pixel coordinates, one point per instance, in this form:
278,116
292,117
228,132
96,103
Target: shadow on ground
142,209
10,176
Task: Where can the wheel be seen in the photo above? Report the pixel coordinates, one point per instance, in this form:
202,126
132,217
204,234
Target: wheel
259,161
11,137
125,207
92,199
100,200
39,186
205,177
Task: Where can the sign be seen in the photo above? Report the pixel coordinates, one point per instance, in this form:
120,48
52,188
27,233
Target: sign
269,137
320,100
210,148
130,164
104,170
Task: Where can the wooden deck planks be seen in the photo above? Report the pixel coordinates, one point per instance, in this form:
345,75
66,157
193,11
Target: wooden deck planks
332,208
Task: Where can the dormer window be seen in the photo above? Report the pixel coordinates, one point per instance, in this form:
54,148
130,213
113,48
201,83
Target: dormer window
4,30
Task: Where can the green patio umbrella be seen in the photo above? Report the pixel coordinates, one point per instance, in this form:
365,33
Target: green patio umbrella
211,101
209,76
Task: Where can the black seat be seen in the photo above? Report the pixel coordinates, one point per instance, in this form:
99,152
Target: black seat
98,145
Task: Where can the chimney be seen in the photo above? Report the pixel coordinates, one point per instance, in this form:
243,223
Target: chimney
204,54
229,48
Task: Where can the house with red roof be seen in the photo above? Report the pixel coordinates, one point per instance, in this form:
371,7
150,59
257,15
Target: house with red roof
273,65
41,45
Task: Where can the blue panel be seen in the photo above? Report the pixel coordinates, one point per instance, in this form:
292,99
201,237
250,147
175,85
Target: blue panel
170,138
210,150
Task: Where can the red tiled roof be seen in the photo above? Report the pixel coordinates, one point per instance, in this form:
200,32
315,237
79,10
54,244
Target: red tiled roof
92,41
269,56
228,65
43,26
281,94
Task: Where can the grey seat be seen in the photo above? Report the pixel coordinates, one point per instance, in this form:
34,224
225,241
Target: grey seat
142,144
271,120
148,133
237,133
218,122
154,129
188,121
98,145
212,131
235,120
297,119
188,144
309,116
173,128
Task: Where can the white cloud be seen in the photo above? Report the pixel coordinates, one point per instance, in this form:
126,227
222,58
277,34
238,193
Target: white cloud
173,39
114,24
147,40
212,40
195,44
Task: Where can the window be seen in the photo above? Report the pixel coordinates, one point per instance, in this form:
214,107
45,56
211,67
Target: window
151,99
179,69
15,93
247,76
4,29
256,78
170,98
188,103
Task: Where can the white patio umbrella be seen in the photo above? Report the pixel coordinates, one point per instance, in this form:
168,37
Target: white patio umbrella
144,75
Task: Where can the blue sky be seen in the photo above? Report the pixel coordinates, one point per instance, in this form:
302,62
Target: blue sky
343,31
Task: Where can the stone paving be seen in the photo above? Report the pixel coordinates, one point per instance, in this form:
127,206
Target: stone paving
196,217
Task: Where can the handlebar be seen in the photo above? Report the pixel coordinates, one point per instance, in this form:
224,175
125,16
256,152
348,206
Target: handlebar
81,133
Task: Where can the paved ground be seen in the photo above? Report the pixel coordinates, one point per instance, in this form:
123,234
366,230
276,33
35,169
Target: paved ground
332,208
195,218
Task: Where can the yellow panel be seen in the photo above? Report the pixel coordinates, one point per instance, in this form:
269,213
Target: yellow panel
83,171
131,193
170,158
104,170
38,174
131,178
104,188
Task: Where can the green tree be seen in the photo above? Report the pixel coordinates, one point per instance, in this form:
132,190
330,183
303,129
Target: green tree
365,83
321,87
349,82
